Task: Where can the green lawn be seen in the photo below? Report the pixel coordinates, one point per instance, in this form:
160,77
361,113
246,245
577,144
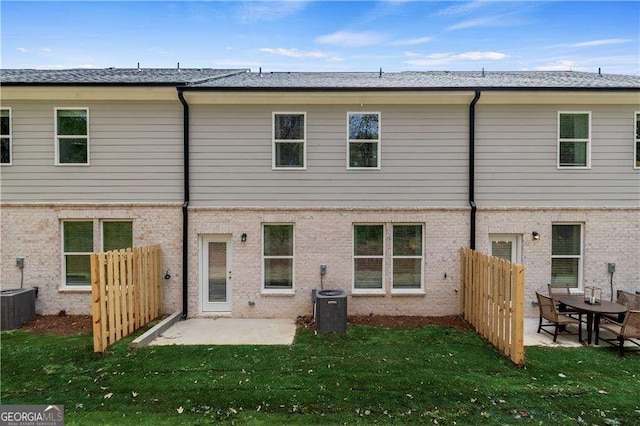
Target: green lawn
432,375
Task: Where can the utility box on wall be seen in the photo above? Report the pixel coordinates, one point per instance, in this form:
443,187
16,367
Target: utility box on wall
331,311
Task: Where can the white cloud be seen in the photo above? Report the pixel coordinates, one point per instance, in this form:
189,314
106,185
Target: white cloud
268,10
592,43
46,50
491,21
293,53
411,41
351,39
22,49
447,58
561,65
411,54
460,9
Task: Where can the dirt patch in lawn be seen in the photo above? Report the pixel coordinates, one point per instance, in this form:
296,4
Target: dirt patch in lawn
454,321
60,325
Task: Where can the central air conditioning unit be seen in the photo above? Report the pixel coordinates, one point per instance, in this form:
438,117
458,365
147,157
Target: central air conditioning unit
331,311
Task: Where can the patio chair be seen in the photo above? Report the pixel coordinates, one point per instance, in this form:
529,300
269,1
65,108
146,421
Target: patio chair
563,290
549,312
629,329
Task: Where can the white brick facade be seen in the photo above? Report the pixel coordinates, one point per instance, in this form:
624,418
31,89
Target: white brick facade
322,237
34,232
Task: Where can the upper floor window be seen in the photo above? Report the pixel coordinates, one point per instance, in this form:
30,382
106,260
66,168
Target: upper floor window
574,139
637,144
289,136
5,136
278,256
363,140
72,135
566,254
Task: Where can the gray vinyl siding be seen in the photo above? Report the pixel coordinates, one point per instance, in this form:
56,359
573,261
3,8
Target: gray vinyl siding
135,153
516,158
423,158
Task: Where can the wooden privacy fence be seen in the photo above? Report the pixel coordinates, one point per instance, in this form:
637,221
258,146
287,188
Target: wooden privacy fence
493,301
126,292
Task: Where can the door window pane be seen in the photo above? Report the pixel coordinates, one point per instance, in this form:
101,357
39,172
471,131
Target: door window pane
502,249
217,272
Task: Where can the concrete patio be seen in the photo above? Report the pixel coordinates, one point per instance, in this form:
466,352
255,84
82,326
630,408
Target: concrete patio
234,331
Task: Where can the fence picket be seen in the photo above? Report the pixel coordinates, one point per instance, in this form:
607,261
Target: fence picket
493,301
125,289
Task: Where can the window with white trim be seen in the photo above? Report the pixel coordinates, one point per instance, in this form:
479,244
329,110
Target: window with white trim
407,257
78,243
278,256
363,140
5,136
636,163
289,140
574,139
77,246
566,254
117,235
368,257
72,135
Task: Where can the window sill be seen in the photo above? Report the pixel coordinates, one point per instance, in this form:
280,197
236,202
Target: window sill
277,293
370,293
408,293
73,290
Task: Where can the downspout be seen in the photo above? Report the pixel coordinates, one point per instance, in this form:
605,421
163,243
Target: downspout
472,169
185,205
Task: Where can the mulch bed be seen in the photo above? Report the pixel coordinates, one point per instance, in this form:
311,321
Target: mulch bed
454,321
60,325
68,325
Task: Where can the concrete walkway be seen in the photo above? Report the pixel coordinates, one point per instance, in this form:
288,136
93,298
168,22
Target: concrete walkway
232,331
228,331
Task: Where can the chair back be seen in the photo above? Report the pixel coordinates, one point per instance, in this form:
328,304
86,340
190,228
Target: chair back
631,325
559,290
547,307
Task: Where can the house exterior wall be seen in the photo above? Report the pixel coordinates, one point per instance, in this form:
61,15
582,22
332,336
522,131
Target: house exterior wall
516,158
325,237
609,235
34,232
135,151
423,157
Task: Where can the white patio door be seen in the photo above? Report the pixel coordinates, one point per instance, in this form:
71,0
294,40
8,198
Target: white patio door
215,273
506,246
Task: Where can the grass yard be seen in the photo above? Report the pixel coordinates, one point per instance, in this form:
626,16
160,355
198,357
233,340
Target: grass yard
431,375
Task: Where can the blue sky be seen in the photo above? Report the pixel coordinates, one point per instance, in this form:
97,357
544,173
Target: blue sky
324,36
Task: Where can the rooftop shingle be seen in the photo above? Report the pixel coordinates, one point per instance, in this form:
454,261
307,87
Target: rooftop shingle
426,80
243,79
115,76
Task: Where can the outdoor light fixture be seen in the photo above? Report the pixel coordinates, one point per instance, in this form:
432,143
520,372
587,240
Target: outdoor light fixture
243,238
535,235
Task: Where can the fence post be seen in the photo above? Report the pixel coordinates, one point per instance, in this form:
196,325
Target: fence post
517,341
95,303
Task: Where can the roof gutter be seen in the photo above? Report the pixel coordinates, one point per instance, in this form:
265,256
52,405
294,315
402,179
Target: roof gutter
185,204
407,89
472,169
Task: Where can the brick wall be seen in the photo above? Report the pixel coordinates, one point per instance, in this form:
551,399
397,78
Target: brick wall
324,237
34,232
610,235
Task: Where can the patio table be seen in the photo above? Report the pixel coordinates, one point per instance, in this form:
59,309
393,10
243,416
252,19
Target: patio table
593,311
